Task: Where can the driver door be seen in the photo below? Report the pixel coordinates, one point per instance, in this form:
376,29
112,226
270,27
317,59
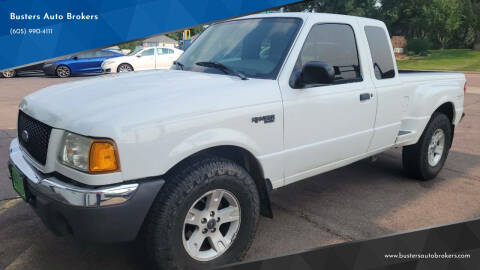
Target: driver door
331,123
145,59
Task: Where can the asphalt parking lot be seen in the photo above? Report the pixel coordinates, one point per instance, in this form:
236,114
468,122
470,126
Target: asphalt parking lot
364,200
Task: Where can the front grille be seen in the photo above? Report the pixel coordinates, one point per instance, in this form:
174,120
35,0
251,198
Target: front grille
33,136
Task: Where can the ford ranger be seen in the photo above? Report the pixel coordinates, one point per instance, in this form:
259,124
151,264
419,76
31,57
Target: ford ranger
185,159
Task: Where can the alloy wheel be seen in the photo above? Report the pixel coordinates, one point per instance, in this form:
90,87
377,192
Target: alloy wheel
124,68
8,73
436,147
63,71
211,225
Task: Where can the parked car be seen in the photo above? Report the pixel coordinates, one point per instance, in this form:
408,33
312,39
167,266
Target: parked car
35,69
187,158
90,62
143,59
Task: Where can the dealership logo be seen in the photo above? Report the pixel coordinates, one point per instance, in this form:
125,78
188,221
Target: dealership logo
25,136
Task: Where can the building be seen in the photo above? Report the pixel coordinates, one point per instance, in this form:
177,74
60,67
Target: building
160,41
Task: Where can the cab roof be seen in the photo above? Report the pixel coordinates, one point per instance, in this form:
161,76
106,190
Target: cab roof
306,15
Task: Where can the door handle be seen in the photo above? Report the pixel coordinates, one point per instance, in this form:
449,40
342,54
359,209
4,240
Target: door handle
365,96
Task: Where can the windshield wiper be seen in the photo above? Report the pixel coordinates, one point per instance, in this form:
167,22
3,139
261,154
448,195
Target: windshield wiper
178,64
223,68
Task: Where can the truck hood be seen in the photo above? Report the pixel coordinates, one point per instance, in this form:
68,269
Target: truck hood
96,106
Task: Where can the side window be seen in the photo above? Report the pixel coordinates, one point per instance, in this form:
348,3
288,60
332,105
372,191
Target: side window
381,52
103,54
86,55
148,52
160,51
170,51
335,45
108,53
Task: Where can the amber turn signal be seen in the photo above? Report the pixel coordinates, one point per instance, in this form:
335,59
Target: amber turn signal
103,157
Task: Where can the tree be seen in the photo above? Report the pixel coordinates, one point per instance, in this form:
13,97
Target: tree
131,45
405,18
470,23
444,19
443,22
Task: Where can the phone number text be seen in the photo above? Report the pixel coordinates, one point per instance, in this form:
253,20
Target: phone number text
31,31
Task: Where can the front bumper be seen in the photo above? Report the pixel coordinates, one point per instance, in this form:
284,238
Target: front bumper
100,214
109,68
49,68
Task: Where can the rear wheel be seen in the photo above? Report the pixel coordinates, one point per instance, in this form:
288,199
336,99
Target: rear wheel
206,215
124,68
425,159
63,71
9,73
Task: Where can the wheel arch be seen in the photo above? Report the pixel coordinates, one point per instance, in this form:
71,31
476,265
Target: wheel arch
244,158
448,108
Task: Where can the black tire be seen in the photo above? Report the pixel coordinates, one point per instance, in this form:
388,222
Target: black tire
124,68
163,227
9,73
415,157
63,71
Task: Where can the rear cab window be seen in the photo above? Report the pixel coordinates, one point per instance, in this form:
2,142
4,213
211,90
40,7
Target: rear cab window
381,53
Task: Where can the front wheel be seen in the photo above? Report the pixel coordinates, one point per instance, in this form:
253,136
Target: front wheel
206,215
425,159
124,68
9,73
63,71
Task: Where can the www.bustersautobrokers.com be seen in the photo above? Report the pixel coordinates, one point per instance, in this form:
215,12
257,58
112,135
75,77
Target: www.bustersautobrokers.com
53,16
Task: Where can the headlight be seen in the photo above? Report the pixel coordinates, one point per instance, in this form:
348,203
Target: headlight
107,63
89,155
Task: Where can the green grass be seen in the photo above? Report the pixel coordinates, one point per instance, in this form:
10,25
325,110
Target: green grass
452,60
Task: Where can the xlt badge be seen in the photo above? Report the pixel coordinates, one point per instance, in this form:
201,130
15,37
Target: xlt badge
265,119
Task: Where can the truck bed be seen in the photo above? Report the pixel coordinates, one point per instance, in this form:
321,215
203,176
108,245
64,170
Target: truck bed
419,76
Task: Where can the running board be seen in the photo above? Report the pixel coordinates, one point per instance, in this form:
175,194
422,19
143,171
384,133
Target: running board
403,136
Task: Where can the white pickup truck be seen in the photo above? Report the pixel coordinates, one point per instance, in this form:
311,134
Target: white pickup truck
186,158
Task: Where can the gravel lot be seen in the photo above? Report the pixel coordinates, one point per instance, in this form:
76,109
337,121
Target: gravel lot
366,199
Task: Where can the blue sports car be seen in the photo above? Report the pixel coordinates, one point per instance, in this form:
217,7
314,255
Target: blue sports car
90,62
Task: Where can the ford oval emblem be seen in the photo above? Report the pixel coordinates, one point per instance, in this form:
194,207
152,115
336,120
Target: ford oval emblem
25,135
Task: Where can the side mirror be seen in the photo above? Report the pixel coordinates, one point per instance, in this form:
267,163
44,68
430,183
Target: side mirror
314,73
75,57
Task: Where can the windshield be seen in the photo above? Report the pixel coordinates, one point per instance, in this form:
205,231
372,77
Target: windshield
254,47
135,51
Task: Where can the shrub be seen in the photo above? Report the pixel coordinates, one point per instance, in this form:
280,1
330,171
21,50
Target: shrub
419,46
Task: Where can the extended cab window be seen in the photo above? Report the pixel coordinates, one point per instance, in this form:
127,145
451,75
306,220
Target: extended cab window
335,45
381,52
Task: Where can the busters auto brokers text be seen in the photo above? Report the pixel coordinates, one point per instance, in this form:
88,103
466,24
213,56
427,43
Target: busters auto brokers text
53,16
